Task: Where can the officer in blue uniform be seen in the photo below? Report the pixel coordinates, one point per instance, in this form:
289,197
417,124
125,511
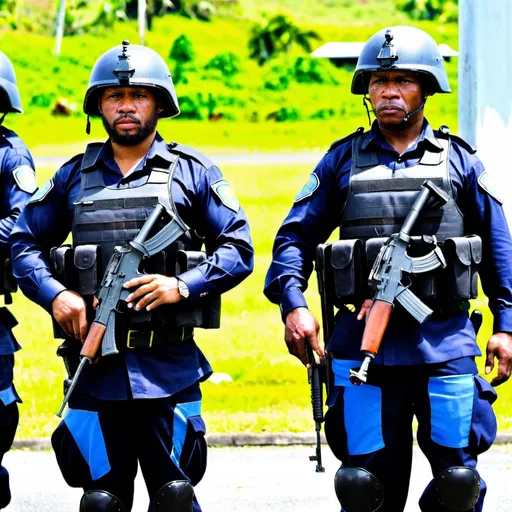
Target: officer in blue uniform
365,185
18,183
142,406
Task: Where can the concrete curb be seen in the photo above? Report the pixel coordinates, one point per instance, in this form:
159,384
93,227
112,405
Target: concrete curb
234,440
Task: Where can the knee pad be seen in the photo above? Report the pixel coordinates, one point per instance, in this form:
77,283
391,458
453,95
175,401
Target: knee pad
358,490
176,496
458,488
100,501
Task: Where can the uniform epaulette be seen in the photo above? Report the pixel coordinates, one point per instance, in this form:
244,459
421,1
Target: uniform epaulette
339,142
174,147
12,139
444,132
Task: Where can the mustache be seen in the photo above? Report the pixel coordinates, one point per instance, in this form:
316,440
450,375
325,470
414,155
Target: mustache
387,105
127,116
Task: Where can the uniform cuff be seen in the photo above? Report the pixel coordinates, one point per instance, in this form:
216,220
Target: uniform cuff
195,281
292,299
502,320
48,292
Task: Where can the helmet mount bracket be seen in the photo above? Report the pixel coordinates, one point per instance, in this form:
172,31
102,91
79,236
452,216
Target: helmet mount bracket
123,71
387,54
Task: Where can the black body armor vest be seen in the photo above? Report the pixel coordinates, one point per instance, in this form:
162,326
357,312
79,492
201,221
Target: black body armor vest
378,202
379,198
107,217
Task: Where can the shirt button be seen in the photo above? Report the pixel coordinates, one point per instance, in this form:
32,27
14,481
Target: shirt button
399,160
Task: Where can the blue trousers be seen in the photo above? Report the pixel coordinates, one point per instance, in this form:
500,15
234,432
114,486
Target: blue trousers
371,426
100,442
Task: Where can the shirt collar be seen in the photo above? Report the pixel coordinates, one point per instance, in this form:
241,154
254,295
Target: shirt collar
157,150
375,138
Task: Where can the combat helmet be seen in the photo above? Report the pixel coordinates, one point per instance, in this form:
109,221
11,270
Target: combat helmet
131,64
401,48
10,100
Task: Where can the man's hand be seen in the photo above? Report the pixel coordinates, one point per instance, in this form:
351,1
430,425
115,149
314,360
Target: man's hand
153,290
301,328
499,347
365,309
69,310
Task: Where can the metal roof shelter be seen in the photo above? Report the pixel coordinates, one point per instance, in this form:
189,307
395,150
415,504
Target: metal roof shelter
348,53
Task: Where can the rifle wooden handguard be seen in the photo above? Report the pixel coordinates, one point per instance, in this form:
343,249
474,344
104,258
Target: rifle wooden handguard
93,341
376,325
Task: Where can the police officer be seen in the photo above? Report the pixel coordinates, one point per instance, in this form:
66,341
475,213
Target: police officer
365,185
142,406
18,182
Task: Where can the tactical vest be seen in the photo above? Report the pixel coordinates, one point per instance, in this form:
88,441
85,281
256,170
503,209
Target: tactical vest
378,202
106,217
8,283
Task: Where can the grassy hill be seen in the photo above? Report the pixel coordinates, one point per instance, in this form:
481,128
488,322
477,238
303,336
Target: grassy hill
254,96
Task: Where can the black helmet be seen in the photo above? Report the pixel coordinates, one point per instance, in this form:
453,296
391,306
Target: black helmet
131,64
10,100
401,48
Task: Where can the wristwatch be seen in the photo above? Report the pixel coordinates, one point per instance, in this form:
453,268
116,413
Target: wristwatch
183,289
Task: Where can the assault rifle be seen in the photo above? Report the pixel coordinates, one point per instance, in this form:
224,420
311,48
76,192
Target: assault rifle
318,372
123,266
390,273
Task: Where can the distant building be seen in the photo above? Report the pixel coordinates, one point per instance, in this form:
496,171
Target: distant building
346,54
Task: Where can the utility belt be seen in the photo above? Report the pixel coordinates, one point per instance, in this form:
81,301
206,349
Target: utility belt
80,269
347,264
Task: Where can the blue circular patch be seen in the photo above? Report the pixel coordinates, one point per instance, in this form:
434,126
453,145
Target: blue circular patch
308,189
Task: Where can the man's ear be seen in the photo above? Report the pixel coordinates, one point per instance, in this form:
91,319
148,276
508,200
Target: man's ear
99,103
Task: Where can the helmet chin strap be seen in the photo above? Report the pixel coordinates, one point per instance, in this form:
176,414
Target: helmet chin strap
407,117
88,126
414,112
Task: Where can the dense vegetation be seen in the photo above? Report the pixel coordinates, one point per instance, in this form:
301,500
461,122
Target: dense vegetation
212,66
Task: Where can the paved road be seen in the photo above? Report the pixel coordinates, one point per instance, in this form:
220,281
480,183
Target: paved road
245,480
309,158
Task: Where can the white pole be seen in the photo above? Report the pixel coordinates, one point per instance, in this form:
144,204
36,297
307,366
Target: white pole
485,95
141,12
60,27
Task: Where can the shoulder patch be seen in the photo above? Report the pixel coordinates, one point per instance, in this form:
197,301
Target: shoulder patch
225,193
42,192
25,178
487,182
191,153
309,188
339,142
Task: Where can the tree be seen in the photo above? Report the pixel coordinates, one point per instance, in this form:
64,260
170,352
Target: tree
278,35
441,10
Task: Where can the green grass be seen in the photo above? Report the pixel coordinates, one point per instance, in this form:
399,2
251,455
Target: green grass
43,78
269,390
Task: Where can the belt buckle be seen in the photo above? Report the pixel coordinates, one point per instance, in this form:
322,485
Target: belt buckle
139,339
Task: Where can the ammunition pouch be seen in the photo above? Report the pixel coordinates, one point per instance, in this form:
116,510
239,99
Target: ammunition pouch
347,264
79,269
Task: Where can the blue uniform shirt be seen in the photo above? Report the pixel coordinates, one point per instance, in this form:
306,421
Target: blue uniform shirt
313,218
47,221
17,185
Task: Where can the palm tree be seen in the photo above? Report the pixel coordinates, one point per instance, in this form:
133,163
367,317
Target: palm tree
277,36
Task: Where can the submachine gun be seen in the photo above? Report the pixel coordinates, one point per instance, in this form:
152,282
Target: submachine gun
390,274
319,372
123,266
